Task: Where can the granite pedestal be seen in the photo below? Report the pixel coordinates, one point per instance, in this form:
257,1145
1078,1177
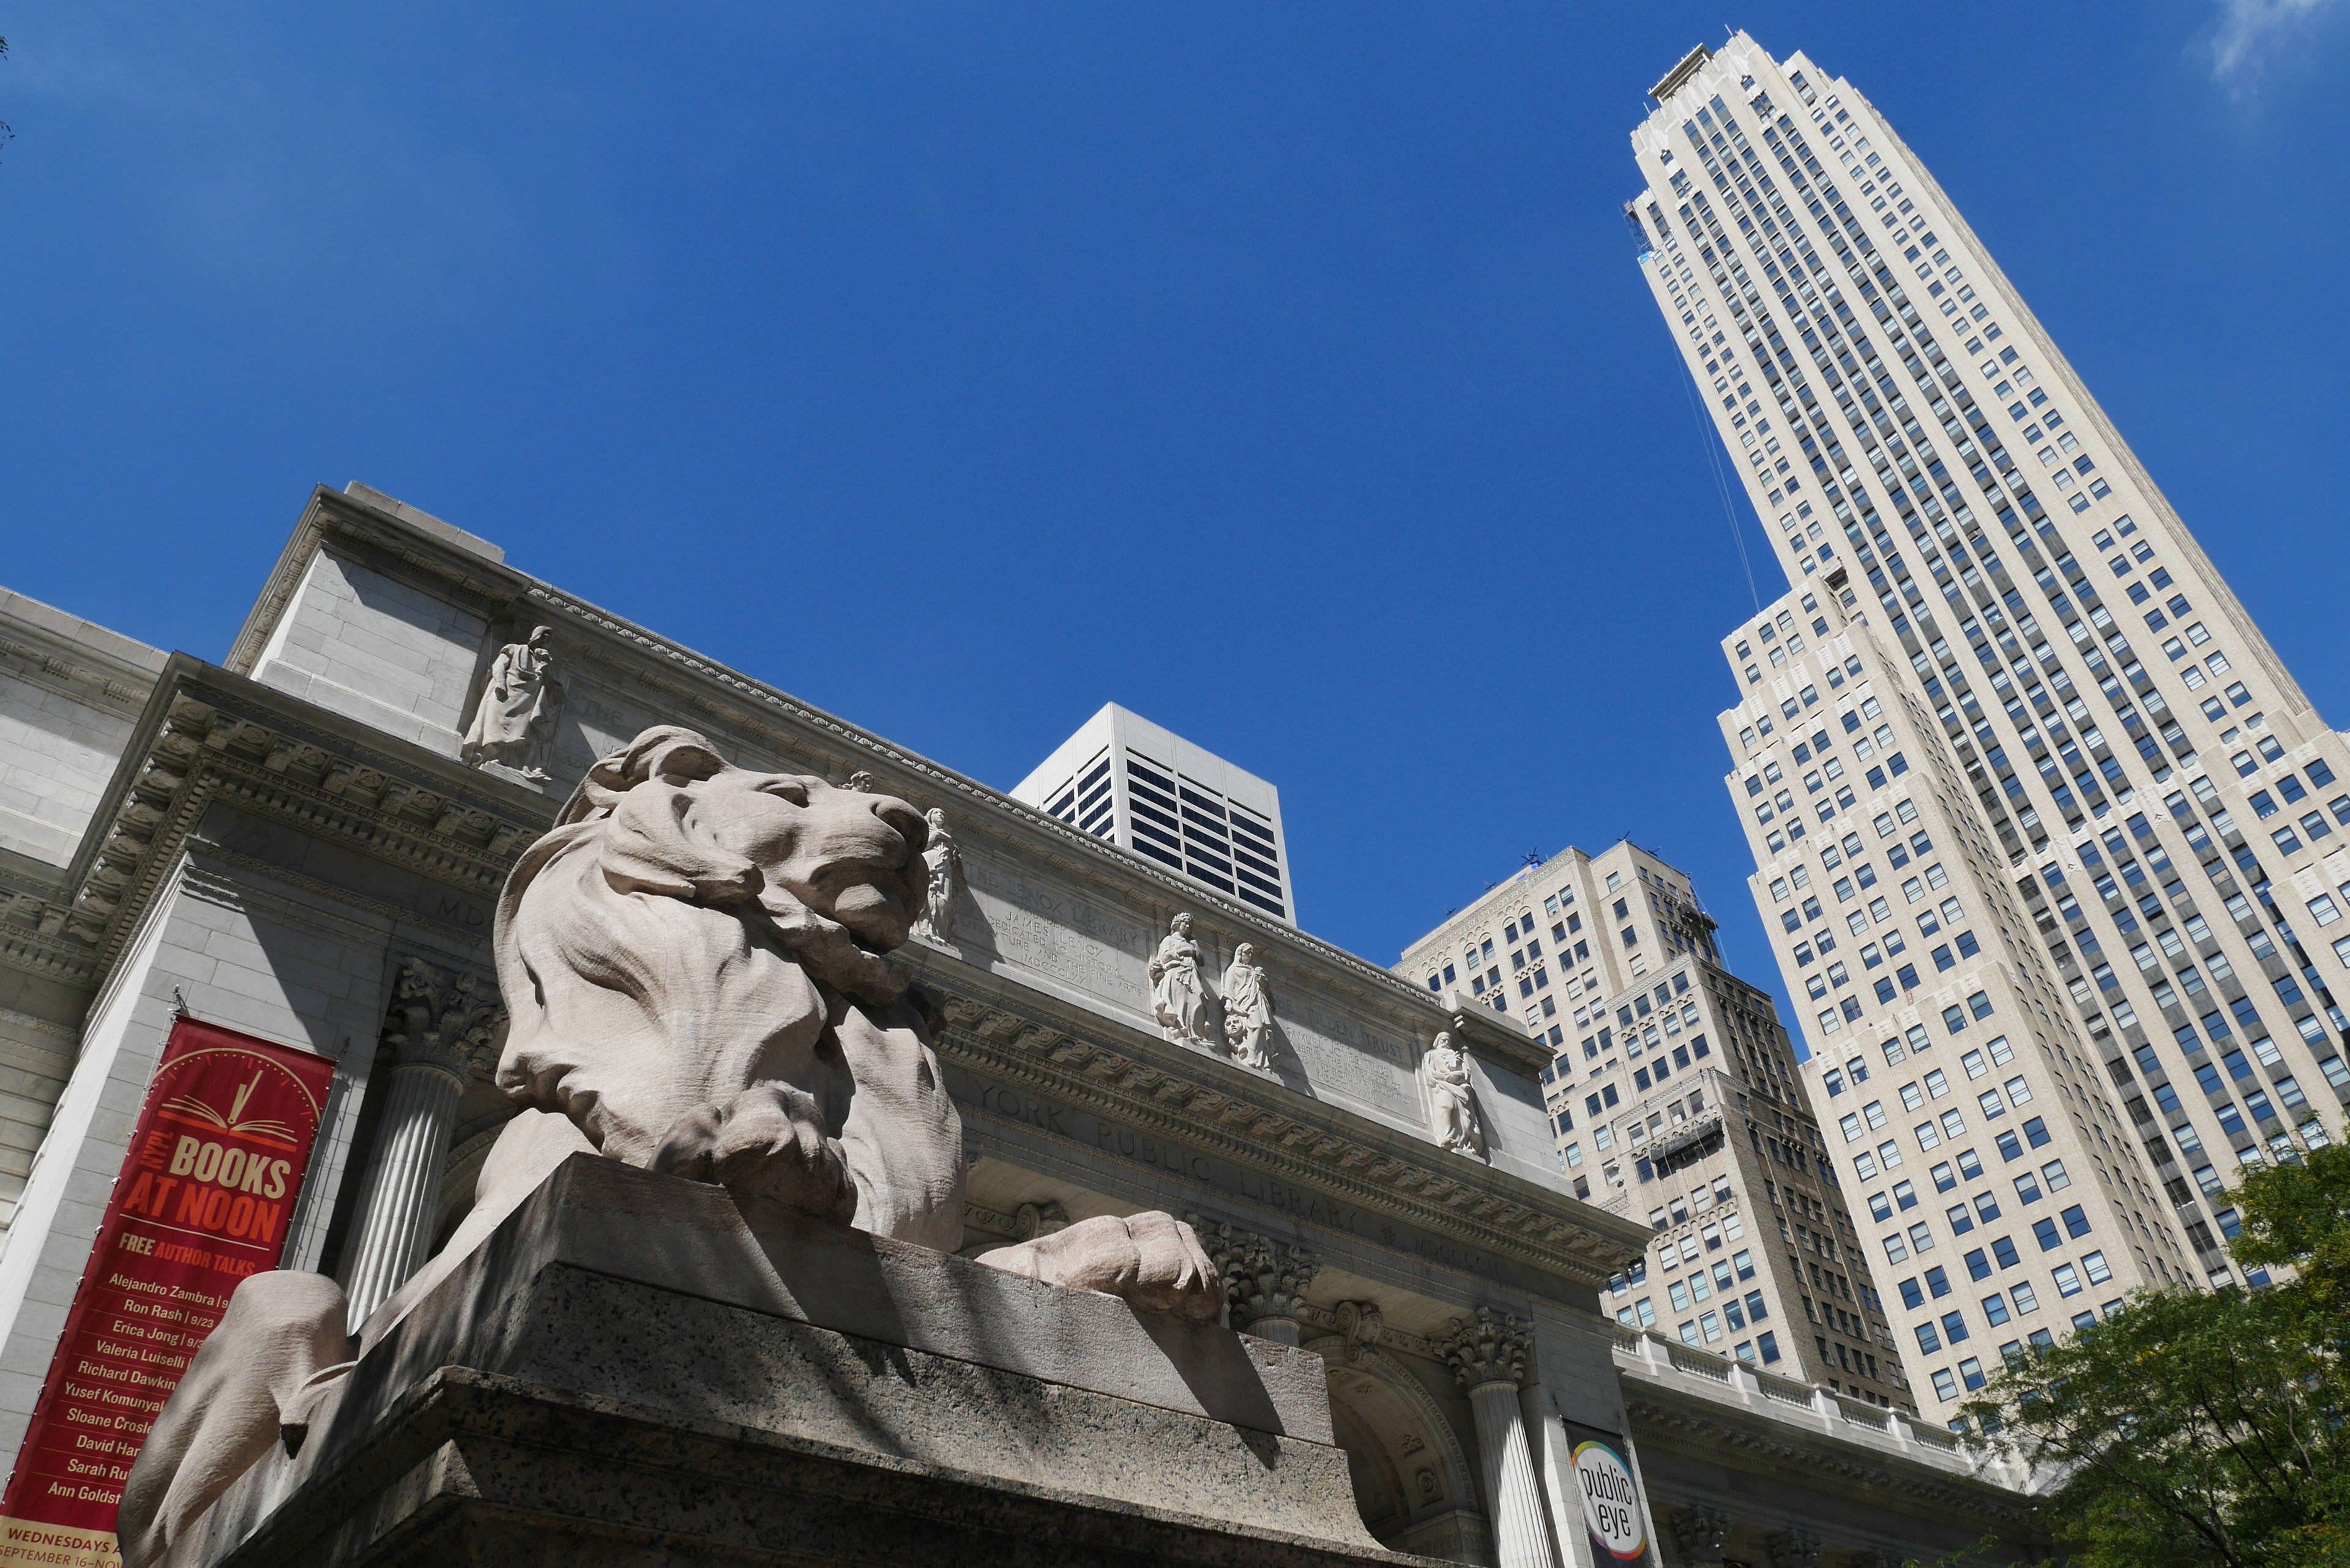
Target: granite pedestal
633,1369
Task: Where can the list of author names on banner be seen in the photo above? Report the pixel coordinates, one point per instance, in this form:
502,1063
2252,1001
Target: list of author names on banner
201,1202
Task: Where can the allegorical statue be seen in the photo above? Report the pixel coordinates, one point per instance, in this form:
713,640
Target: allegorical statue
1248,1008
943,863
692,958
1179,997
1451,1097
514,720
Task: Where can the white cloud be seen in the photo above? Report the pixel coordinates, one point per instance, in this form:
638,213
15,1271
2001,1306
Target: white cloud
2251,32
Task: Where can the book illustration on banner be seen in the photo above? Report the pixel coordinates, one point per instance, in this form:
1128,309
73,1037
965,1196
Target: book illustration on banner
194,1107
200,1206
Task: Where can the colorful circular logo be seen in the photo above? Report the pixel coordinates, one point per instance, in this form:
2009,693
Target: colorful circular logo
1611,1504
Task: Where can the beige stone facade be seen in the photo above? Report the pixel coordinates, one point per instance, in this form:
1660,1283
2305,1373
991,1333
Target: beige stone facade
1676,1100
2047,838
293,844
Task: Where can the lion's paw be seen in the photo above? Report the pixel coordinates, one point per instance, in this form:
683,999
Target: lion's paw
1152,1259
768,1141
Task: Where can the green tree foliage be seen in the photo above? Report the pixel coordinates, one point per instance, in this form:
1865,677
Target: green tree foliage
2195,1427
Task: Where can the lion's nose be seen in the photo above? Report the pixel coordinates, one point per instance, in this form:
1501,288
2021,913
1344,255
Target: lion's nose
903,817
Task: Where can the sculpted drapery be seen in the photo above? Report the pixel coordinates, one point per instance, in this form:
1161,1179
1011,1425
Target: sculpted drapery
1248,1009
514,719
1179,996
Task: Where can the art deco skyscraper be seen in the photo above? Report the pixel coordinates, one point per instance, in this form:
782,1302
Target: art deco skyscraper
2051,846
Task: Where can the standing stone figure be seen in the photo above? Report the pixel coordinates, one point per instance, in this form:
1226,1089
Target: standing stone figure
1248,1009
943,863
515,718
1178,996
1451,1097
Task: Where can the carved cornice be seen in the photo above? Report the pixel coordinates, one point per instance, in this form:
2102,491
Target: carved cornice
488,582
207,735
754,708
1220,1109
40,657
669,676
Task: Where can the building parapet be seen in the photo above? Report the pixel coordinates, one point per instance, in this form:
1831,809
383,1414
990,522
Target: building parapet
1646,1359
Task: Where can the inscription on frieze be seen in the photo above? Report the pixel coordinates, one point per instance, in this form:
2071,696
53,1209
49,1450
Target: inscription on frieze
1047,930
1346,1059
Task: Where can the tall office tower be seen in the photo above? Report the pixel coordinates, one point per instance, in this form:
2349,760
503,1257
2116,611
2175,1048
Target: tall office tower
2045,833
1674,1096
1123,778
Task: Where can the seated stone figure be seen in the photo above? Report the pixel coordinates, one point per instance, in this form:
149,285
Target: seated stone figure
692,961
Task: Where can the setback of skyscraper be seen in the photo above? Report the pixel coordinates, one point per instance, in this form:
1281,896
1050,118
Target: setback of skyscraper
2043,826
1675,1099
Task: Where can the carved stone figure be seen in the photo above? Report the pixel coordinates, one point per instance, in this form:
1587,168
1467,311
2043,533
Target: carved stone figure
692,958
1451,1097
1179,997
514,720
943,864
1248,1008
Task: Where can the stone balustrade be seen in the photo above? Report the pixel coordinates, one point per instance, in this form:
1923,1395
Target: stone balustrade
1649,1358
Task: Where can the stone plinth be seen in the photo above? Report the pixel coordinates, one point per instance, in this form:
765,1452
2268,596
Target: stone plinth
628,1371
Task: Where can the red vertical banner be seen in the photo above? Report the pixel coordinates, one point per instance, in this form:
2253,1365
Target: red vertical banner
202,1200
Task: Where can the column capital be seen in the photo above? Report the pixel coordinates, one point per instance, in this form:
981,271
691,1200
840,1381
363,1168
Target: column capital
1486,1347
1264,1278
1699,1532
1795,1548
453,1024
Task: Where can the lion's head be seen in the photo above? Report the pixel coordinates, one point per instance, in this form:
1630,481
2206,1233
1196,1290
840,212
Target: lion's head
683,930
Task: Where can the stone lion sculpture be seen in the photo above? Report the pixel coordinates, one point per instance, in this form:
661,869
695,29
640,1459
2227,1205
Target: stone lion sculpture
692,960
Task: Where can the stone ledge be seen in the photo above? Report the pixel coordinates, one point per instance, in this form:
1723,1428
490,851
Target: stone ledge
474,1469
614,1302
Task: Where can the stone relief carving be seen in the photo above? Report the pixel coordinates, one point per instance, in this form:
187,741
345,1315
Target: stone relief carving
1359,1323
693,959
1487,1346
1248,1009
456,1025
1795,1548
861,782
943,866
514,723
1179,996
1699,1532
1262,1278
1453,1118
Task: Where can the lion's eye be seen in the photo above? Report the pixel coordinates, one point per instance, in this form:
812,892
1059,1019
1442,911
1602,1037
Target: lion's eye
790,789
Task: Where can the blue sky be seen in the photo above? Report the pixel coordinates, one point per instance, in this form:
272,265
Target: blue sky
1280,371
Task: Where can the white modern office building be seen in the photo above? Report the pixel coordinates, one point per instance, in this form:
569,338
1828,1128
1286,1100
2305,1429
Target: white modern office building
2045,833
1144,788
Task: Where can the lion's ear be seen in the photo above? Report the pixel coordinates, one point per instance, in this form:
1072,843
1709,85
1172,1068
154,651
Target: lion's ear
649,847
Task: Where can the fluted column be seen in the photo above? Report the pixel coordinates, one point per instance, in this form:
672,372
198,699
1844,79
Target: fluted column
1265,1279
436,1029
1486,1352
